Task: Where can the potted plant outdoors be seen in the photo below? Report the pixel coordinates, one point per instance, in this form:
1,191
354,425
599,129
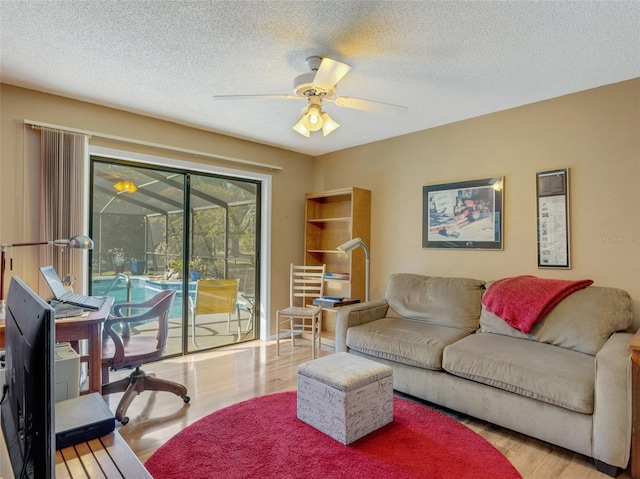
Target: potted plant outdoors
197,268
117,259
138,266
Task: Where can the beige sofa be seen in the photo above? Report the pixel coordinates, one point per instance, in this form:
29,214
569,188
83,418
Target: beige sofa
567,382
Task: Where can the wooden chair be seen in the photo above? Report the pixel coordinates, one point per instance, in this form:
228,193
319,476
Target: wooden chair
306,283
121,350
215,296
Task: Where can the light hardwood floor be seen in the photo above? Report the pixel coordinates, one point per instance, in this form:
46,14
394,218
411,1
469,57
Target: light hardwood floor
225,376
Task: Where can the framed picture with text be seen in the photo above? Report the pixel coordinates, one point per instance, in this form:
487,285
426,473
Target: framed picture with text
466,214
552,192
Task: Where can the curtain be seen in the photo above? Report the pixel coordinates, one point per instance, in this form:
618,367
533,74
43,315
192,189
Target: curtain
64,198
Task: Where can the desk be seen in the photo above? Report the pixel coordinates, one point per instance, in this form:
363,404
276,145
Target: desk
634,345
106,457
87,327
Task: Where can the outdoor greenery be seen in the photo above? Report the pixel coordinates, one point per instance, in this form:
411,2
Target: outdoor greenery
208,239
130,231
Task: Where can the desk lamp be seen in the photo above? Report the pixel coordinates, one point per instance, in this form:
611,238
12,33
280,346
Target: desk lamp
78,242
350,246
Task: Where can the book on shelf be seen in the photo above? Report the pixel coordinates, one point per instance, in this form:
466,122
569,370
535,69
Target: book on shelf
334,301
336,275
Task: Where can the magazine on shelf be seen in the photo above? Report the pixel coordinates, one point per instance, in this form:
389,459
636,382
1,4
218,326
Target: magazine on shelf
336,275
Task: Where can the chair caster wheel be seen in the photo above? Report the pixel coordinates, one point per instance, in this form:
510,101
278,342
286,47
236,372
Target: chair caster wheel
124,420
186,399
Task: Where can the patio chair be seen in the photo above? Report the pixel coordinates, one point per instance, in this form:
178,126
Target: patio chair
306,283
122,350
215,296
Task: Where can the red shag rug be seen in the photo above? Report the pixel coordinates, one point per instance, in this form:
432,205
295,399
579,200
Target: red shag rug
263,438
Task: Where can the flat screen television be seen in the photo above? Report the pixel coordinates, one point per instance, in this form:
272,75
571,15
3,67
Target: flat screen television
28,407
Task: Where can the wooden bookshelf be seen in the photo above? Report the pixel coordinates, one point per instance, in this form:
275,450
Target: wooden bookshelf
331,219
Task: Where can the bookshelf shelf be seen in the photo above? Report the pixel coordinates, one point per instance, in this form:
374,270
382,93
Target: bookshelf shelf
331,219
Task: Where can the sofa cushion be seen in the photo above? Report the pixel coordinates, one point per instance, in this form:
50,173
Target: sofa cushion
557,376
583,321
451,302
524,301
405,341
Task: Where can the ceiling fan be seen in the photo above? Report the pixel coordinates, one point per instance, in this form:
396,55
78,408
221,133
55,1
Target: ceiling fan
317,86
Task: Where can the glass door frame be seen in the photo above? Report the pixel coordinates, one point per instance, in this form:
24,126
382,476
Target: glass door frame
190,192
263,255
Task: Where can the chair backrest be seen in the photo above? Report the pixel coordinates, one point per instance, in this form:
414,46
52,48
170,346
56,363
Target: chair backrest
216,296
306,283
157,308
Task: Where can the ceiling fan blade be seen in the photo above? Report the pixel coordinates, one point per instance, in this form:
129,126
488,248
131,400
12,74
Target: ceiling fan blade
281,96
366,105
329,73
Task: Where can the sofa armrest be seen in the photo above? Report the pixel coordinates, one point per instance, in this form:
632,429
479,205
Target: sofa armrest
612,407
356,314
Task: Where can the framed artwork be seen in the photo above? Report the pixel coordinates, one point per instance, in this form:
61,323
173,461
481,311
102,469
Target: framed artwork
466,214
552,191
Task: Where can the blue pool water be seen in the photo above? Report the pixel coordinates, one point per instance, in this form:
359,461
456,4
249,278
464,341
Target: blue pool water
142,289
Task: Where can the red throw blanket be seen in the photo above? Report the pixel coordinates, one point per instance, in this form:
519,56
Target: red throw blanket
524,301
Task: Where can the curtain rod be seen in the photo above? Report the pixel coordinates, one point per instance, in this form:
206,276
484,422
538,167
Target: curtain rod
123,139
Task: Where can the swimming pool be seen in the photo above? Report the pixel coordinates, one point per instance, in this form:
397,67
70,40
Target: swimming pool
142,289
211,333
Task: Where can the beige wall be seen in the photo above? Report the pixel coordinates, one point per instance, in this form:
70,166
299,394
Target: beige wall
595,133
19,183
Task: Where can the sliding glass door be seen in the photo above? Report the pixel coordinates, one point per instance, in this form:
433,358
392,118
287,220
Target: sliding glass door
222,247
157,229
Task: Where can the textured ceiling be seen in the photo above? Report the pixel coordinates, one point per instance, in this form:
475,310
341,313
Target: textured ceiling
445,60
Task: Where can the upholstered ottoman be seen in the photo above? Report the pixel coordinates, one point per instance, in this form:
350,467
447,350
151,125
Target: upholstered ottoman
345,396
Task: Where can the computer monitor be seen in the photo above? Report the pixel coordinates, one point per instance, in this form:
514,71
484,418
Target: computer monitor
28,408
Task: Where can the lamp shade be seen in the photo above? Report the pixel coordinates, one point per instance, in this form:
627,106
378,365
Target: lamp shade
350,245
299,127
80,242
329,125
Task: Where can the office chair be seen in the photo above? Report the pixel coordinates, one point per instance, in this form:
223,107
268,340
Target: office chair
306,283
121,350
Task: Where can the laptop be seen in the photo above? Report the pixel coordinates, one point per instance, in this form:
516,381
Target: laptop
65,310
92,303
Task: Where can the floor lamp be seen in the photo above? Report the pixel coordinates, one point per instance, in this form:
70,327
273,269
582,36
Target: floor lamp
77,242
350,246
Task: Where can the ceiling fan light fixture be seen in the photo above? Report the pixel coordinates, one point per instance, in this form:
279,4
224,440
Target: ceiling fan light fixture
329,125
312,120
299,127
